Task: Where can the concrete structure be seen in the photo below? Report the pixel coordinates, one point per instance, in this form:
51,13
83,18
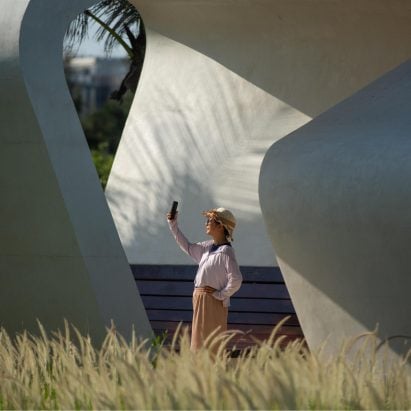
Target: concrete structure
265,68
60,255
337,201
221,82
199,139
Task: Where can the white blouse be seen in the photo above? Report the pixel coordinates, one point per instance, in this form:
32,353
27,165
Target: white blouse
217,269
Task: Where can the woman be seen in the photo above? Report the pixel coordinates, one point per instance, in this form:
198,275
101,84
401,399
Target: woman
218,276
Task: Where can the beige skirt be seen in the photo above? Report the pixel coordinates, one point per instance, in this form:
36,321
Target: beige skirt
208,315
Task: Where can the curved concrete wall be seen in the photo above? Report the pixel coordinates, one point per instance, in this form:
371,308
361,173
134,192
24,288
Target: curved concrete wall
196,133
249,73
60,255
310,54
336,198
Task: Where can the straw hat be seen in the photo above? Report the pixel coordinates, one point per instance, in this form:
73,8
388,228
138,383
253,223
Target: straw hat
225,217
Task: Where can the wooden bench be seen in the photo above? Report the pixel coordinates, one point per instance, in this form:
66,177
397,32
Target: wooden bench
256,308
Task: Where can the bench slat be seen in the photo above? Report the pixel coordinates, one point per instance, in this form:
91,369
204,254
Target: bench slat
183,288
188,272
233,317
237,304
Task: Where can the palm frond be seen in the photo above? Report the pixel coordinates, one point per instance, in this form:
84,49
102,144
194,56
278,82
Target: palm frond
76,32
118,14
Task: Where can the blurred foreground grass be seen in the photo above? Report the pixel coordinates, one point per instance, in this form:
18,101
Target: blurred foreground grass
65,372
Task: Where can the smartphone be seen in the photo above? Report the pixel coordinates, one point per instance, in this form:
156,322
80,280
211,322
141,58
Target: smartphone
173,209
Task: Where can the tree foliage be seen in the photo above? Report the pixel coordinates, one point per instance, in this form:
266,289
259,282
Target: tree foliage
106,124
103,161
103,130
117,19
119,15
119,23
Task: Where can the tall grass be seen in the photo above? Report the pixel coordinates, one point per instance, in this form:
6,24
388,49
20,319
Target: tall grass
65,371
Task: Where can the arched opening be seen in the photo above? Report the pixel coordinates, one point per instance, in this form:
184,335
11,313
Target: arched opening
103,55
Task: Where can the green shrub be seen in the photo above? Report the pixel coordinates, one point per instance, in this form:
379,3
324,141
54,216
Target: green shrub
103,161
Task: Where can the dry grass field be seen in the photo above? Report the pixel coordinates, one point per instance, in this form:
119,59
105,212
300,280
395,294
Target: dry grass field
65,371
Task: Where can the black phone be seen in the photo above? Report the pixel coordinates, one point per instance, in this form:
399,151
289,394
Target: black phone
173,209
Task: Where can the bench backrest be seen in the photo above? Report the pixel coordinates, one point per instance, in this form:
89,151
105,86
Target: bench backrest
259,305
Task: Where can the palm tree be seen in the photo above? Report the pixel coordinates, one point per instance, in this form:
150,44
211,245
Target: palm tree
118,19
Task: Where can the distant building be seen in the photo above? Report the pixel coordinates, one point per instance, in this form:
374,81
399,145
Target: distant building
91,80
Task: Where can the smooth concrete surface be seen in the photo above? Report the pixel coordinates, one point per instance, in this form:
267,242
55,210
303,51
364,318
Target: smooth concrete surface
222,81
336,198
196,133
60,254
309,54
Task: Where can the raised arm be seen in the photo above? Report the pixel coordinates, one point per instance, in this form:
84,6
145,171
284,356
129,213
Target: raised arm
194,250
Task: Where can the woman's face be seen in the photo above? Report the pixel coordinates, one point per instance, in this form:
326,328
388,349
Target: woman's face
213,227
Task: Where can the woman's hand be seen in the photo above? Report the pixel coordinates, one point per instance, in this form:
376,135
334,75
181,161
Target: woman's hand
169,216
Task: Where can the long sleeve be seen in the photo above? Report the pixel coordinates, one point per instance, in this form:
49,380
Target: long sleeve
234,279
194,250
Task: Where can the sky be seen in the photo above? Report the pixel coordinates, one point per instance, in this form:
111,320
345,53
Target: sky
90,47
